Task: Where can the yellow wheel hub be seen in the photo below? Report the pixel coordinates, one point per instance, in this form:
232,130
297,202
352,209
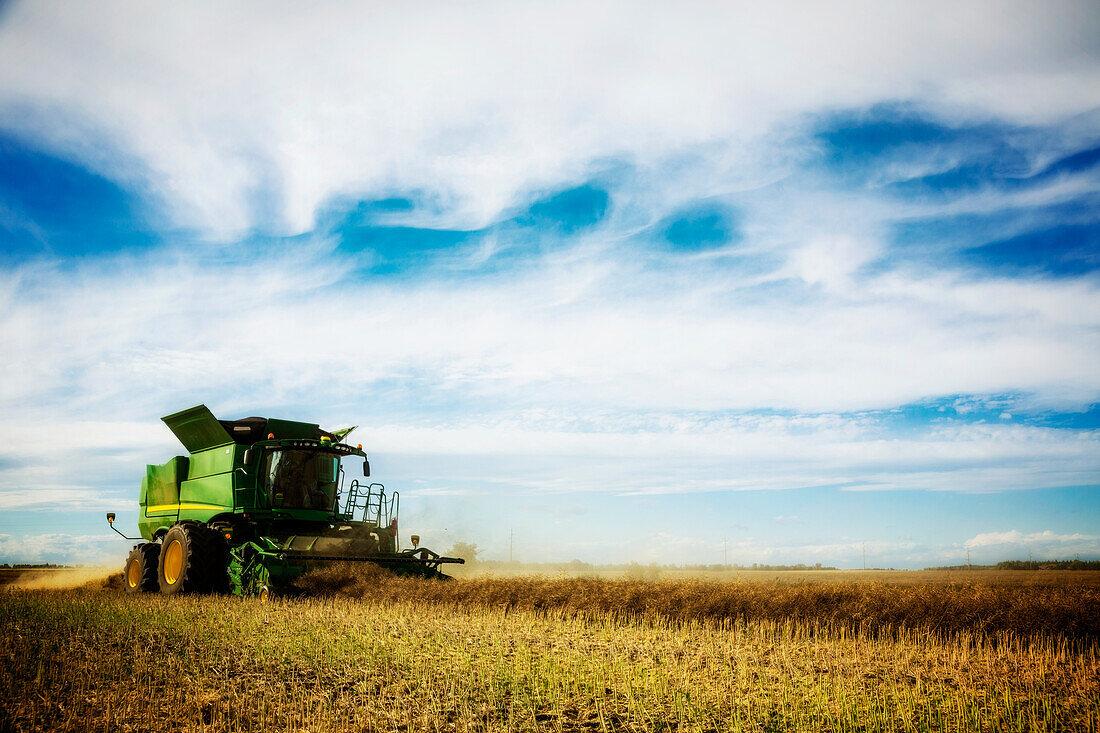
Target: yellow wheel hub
173,562
133,574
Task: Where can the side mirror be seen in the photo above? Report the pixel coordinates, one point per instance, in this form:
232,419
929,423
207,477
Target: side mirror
248,457
366,467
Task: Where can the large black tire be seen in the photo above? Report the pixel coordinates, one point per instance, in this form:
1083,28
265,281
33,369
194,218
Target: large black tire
189,559
140,575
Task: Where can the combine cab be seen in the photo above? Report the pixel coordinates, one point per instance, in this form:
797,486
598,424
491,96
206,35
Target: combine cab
258,502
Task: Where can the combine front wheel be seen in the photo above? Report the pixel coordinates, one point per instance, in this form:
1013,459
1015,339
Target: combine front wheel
141,568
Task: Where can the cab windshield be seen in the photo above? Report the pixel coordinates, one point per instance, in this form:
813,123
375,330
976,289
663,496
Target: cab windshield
300,479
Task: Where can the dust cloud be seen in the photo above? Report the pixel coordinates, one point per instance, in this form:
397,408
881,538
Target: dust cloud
59,578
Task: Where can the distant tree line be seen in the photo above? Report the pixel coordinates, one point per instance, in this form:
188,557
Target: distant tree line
1048,565
581,566
1028,565
24,566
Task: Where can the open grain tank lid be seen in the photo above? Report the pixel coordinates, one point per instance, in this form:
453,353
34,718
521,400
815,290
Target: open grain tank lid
198,429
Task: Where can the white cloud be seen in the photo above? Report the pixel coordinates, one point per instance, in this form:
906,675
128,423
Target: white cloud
1045,540
1017,545
832,261
67,549
23,492
629,338
227,113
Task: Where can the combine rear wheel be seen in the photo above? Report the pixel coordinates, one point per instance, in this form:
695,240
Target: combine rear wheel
141,568
188,558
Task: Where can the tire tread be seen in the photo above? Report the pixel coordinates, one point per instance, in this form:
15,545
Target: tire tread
201,555
146,555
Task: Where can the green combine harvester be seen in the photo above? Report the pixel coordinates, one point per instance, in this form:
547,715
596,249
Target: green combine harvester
258,502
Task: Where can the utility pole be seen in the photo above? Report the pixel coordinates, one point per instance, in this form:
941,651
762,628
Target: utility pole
864,555
511,533
968,559
725,556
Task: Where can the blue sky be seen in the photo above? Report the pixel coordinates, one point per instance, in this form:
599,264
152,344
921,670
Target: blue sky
629,281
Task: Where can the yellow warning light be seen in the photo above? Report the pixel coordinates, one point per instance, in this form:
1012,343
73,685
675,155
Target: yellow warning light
360,446
416,540
326,439
271,436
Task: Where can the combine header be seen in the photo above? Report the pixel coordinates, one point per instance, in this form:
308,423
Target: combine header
258,502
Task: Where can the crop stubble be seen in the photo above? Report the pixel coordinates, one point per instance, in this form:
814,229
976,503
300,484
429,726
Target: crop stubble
423,656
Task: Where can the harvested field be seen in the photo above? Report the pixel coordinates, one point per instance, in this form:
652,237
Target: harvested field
409,655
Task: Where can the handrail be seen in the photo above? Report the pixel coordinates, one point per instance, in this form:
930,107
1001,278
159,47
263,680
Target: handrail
372,500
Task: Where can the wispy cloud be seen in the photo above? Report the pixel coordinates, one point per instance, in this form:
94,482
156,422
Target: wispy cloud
1046,543
593,330
60,548
481,104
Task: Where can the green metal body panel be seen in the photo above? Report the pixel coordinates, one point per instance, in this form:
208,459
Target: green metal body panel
245,495
160,488
290,430
222,459
216,491
197,428
161,484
